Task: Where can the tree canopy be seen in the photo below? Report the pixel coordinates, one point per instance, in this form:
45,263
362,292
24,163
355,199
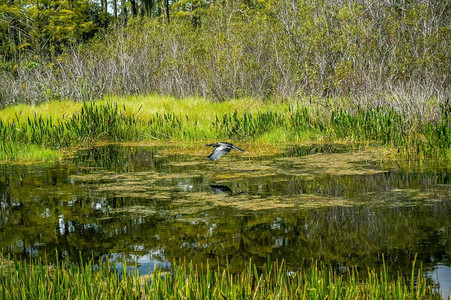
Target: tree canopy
42,28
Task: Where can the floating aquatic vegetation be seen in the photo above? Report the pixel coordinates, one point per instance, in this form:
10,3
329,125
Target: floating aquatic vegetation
122,187
185,184
101,176
200,202
364,162
408,197
134,210
185,163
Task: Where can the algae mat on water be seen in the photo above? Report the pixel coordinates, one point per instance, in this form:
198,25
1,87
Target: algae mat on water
193,184
365,162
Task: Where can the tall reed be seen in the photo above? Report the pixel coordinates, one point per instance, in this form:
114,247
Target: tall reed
112,122
275,280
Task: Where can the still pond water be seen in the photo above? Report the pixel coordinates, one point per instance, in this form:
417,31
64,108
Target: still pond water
155,204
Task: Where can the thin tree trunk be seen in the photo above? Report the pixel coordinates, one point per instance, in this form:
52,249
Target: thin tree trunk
148,5
166,9
104,6
124,12
114,8
14,35
194,19
133,8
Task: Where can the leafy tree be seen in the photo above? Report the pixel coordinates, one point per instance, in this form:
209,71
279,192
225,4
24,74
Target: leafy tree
43,28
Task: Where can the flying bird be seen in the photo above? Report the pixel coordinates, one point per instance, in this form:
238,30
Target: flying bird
221,148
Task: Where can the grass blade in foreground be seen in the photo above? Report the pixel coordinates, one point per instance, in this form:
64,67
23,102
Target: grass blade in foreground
18,279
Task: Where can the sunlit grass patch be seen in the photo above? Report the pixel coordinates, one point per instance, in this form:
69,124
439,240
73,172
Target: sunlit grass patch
282,135
59,125
196,108
276,136
32,153
38,153
52,109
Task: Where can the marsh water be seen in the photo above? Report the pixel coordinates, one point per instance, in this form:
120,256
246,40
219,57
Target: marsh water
155,204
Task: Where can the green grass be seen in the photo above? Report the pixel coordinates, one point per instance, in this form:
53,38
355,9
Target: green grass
31,153
143,106
37,280
59,125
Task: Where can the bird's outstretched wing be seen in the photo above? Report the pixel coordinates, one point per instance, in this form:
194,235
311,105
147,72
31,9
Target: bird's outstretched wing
236,148
218,152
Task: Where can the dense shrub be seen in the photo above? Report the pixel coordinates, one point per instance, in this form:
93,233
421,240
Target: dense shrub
280,49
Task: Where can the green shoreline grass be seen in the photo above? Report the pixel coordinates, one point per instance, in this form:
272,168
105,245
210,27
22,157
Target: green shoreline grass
36,280
39,133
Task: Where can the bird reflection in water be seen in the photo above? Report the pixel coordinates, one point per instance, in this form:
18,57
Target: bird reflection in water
220,189
223,189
